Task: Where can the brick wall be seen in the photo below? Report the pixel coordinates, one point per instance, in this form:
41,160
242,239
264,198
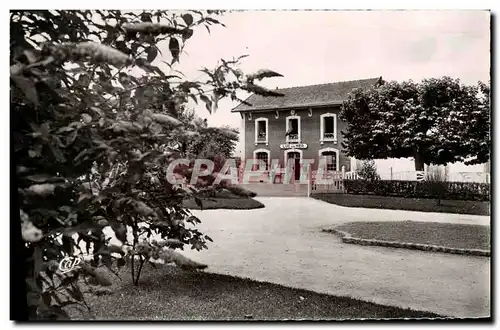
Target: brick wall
310,134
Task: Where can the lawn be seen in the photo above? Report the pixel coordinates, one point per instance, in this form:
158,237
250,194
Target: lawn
408,204
224,203
442,234
224,200
167,293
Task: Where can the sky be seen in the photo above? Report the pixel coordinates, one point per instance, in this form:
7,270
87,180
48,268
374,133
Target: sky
314,47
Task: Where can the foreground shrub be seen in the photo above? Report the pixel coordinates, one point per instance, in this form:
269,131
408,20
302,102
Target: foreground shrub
92,140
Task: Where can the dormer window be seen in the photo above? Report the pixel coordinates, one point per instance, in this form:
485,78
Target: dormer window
292,129
328,127
261,130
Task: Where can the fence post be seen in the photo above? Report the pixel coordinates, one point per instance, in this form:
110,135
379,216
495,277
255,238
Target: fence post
309,179
391,173
343,178
241,171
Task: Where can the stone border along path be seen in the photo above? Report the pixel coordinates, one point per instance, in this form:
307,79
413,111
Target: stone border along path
348,238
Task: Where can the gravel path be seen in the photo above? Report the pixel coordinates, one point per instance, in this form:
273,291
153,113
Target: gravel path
283,244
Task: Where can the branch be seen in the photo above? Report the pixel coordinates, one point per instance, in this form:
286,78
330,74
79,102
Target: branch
19,67
92,73
127,90
203,92
134,59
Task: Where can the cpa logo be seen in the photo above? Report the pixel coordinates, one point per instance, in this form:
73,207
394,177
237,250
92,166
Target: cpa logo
69,263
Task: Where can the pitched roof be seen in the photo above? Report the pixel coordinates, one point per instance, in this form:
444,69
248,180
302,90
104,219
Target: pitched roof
306,96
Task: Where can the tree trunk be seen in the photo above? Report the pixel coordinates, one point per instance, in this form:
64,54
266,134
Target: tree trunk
419,162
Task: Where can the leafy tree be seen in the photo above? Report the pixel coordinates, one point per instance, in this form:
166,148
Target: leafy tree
436,121
211,142
214,142
368,171
92,140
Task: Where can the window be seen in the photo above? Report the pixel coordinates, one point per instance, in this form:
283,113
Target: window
293,129
331,160
261,155
331,155
293,126
261,130
328,127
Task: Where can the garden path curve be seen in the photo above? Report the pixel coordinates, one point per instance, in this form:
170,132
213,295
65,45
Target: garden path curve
283,243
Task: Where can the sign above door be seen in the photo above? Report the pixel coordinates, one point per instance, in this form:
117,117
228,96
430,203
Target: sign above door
293,146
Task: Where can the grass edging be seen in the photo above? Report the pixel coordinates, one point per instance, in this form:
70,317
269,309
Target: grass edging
347,238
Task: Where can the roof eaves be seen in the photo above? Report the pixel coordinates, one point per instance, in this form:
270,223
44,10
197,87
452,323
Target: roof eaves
233,109
298,106
378,80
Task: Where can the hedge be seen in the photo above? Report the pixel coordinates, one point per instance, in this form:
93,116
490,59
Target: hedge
420,189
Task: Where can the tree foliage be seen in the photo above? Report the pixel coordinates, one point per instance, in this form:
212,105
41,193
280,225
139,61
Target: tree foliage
212,141
436,121
93,139
215,142
368,170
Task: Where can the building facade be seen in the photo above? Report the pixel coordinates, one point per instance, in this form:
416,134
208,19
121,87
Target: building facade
302,124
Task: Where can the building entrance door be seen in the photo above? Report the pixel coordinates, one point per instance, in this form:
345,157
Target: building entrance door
295,164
